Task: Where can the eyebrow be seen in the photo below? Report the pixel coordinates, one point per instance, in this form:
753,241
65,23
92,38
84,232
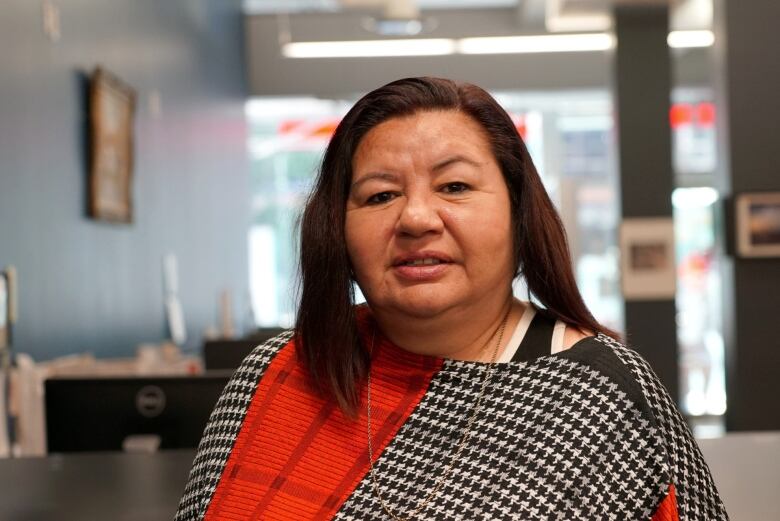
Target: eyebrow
374,175
441,165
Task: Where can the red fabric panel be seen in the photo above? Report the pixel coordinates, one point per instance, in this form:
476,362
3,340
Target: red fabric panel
296,455
667,510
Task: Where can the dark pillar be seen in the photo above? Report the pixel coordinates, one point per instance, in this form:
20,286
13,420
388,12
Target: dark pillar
642,99
747,41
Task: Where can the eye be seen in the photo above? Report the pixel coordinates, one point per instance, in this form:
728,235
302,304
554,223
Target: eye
381,197
455,188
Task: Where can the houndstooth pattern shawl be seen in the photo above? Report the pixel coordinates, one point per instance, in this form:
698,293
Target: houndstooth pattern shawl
589,433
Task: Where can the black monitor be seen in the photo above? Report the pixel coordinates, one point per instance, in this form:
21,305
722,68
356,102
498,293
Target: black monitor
102,414
228,354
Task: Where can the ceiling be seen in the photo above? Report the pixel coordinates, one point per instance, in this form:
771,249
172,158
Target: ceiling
275,6
554,15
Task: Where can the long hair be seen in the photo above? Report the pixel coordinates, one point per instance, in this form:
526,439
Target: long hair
326,327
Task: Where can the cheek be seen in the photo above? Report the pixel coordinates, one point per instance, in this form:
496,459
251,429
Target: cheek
502,239
485,236
484,225
353,239
365,241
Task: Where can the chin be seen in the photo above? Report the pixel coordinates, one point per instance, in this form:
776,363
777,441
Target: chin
417,310
427,304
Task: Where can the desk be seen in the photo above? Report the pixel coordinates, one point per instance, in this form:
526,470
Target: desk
94,486
140,487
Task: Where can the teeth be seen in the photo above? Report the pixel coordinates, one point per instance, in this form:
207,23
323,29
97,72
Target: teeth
423,262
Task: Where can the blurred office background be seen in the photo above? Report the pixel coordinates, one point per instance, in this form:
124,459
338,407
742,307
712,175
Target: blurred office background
645,110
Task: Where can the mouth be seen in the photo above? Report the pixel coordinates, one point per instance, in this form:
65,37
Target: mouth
422,262
420,259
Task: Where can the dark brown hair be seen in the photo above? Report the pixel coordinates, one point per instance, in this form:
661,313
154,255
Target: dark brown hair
326,327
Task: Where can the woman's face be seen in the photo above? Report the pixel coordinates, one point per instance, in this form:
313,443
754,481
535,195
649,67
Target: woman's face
428,224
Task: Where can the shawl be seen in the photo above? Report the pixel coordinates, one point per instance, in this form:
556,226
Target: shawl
587,433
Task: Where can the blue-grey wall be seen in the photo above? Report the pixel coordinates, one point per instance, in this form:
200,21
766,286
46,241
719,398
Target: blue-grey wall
97,287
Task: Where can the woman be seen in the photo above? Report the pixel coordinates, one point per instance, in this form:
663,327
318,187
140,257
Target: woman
443,397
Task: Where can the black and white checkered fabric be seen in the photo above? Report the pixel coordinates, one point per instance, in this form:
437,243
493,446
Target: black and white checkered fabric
586,434
696,494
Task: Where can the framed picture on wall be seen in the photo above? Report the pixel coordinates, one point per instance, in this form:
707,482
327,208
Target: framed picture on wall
647,261
112,111
758,224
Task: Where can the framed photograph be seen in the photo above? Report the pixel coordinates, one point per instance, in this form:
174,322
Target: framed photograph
647,258
112,111
758,224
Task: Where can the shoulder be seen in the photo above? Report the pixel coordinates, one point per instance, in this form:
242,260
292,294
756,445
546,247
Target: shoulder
601,409
261,355
625,365
242,384
224,424
622,366
627,369
661,426
246,377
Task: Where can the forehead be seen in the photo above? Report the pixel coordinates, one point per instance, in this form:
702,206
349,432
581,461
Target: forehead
424,135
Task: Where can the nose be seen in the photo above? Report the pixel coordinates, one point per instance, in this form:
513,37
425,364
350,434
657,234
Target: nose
419,216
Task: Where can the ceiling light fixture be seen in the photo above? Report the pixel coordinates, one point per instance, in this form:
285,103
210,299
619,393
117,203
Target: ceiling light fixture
547,43
689,39
370,48
536,44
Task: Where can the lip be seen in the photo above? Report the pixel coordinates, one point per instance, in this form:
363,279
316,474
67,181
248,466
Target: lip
400,260
427,273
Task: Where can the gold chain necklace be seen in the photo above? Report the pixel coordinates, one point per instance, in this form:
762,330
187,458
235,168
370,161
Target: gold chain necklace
461,444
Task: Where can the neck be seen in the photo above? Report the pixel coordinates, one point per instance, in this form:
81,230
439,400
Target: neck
468,334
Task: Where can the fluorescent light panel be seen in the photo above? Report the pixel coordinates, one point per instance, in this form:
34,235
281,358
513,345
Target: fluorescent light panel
689,39
548,43
536,44
369,48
